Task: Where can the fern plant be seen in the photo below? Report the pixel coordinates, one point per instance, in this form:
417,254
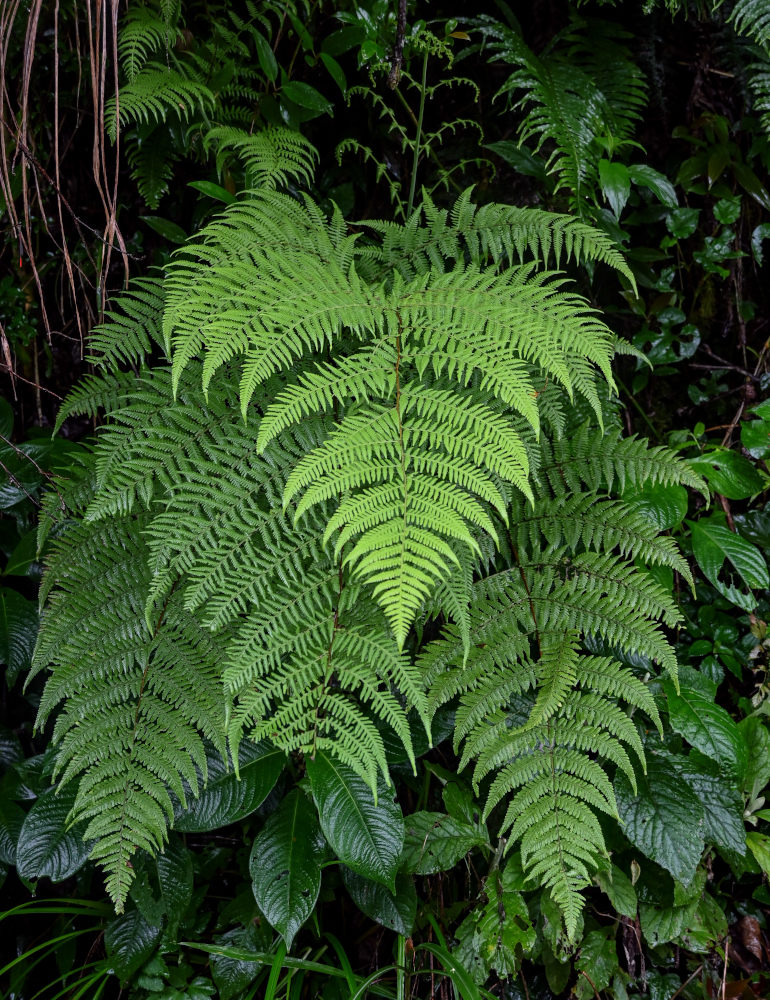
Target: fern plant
331,439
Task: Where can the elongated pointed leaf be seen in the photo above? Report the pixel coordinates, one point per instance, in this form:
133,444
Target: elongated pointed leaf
284,866
366,836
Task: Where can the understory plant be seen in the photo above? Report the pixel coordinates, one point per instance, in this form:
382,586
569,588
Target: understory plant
352,481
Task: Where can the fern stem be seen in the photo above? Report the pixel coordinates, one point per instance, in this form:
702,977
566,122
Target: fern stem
418,138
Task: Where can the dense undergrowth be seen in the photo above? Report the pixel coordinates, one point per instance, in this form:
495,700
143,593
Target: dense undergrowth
384,610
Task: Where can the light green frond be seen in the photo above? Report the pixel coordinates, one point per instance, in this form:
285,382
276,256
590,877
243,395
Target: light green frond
156,91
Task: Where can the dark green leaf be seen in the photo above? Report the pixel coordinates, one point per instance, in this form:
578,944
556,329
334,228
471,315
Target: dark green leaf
659,184
46,847
755,438
435,842
615,182
396,911
752,185
226,799
682,222
233,975
19,623
175,877
166,228
721,800
598,959
306,97
266,57
757,739
11,820
754,526
23,556
498,929
215,191
619,889
129,942
706,726
664,819
728,473
366,836
713,544
520,159
284,866
664,505
335,71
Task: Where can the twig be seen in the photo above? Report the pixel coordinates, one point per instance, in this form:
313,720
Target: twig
686,982
593,986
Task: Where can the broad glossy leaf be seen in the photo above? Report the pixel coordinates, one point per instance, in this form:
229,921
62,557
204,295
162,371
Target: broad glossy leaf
615,182
46,847
659,184
11,821
706,726
129,941
166,228
754,526
664,505
664,819
396,911
306,97
266,56
435,842
713,544
175,877
10,747
19,623
721,800
226,799
284,865
755,438
215,191
366,836
728,473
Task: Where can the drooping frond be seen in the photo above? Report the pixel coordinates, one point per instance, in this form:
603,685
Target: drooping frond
272,158
131,328
133,701
143,34
752,18
155,92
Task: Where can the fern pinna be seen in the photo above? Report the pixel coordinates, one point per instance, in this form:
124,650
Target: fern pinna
356,431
